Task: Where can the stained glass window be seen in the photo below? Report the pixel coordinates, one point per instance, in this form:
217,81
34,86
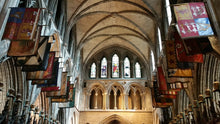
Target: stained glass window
104,68
93,71
126,67
137,70
115,66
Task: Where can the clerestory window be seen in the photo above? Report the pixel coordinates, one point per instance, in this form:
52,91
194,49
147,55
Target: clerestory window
93,71
104,68
137,70
115,66
126,68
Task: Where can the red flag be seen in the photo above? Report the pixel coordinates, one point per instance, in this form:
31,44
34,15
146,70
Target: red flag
181,53
162,80
197,46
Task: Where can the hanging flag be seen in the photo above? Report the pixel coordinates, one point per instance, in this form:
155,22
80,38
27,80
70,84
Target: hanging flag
192,20
71,101
43,75
63,89
22,24
171,54
54,83
162,79
56,44
13,24
169,94
40,60
72,97
197,46
163,89
173,69
173,80
161,102
24,48
49,88
179,73
29,23
66,97
64,100
177,86
181,53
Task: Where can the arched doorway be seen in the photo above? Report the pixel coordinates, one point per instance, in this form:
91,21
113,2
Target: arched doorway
114,119
115,122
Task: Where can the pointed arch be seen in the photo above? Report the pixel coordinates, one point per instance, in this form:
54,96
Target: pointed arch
115,96
115,117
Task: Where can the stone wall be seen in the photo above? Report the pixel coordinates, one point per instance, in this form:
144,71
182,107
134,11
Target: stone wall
125,117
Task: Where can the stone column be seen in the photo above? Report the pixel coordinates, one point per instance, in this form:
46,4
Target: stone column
96,100
122,100
104,101
88,100
125,101
107,101
115,103
142,101
135,101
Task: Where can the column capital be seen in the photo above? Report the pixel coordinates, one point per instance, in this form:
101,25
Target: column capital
104,94
125,94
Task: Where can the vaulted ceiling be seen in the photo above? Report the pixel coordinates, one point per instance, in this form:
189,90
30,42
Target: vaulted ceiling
131,24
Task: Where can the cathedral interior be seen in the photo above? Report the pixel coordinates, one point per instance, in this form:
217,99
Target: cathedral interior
109,62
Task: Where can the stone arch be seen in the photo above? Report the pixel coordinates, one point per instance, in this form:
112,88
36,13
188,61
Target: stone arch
95,93
11,77
135,93
94,85
114,117
73,18
120,87
140,88
115,92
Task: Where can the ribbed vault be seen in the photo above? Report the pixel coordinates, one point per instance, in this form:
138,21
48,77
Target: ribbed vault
103,23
